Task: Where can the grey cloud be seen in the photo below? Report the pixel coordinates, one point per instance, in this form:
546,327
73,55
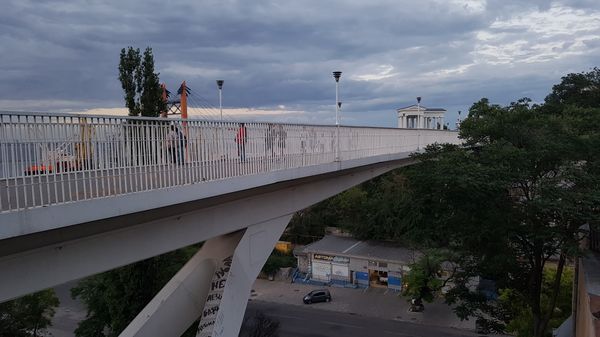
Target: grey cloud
272,53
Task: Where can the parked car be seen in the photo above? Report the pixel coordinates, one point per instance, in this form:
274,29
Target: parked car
321,295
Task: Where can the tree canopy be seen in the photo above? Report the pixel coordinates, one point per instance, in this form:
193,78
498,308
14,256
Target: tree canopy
141,85
114,298
507,205
28,315
511,202
578,89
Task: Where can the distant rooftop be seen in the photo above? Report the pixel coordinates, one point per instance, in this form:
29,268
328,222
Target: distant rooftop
422,108
350,247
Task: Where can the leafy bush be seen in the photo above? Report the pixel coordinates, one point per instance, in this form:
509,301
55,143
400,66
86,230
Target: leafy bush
278,260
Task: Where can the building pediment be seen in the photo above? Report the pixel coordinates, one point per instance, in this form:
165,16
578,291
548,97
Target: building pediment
422,109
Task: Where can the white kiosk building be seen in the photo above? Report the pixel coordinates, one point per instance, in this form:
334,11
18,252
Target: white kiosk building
417,116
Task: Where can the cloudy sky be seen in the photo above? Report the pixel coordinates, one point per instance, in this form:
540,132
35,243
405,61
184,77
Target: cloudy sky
276,57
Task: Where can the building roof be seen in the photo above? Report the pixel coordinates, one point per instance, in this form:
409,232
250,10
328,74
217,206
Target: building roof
371,250
421,108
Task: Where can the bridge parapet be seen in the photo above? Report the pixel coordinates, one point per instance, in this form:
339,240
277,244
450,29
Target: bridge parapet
50,159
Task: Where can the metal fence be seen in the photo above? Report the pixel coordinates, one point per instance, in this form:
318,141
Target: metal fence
48,159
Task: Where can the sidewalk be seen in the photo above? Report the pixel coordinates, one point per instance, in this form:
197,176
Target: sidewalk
375,302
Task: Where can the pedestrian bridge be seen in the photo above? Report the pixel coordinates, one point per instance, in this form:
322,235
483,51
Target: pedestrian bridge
83,194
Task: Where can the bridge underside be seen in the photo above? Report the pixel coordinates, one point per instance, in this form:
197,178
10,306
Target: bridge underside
239,229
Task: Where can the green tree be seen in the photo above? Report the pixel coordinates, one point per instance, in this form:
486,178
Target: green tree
28,315
309,224
578,89
141,85
114,298
514,198
424,280
518,313
369,211
278,260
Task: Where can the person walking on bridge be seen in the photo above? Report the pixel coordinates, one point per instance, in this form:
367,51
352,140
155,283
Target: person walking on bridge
241,138
175,142
171,144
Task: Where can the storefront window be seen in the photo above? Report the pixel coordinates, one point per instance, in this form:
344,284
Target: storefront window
378,278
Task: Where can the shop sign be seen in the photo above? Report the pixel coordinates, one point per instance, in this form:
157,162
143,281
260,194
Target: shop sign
337,259
341,259
323,257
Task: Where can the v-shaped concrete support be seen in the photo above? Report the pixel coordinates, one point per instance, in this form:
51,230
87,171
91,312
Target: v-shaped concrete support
249,257
181,301
213,286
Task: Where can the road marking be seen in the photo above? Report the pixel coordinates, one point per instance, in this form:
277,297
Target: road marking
343,324
398,333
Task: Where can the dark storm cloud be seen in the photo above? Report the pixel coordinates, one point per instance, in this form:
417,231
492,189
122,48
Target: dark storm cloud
64,55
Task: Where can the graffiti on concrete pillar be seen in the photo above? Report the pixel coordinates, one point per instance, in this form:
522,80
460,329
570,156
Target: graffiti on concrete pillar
213,299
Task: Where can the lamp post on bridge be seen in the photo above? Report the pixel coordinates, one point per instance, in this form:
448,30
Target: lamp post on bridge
220,86
338,105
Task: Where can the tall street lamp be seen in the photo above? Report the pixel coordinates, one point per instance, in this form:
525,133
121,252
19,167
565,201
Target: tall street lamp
337,75
418,126
338,105
220,86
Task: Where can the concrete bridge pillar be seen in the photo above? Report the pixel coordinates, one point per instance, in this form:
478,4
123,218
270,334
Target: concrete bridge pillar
249,257
181,301
213,286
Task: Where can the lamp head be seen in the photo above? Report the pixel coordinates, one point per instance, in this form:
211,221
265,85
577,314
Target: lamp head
336,75
220,84
419,99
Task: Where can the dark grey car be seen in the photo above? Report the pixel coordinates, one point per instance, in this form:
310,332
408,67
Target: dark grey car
321,295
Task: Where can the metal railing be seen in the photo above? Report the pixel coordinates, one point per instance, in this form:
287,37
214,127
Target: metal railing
48,159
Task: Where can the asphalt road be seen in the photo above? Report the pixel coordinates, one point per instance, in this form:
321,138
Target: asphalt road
295,321
310,321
